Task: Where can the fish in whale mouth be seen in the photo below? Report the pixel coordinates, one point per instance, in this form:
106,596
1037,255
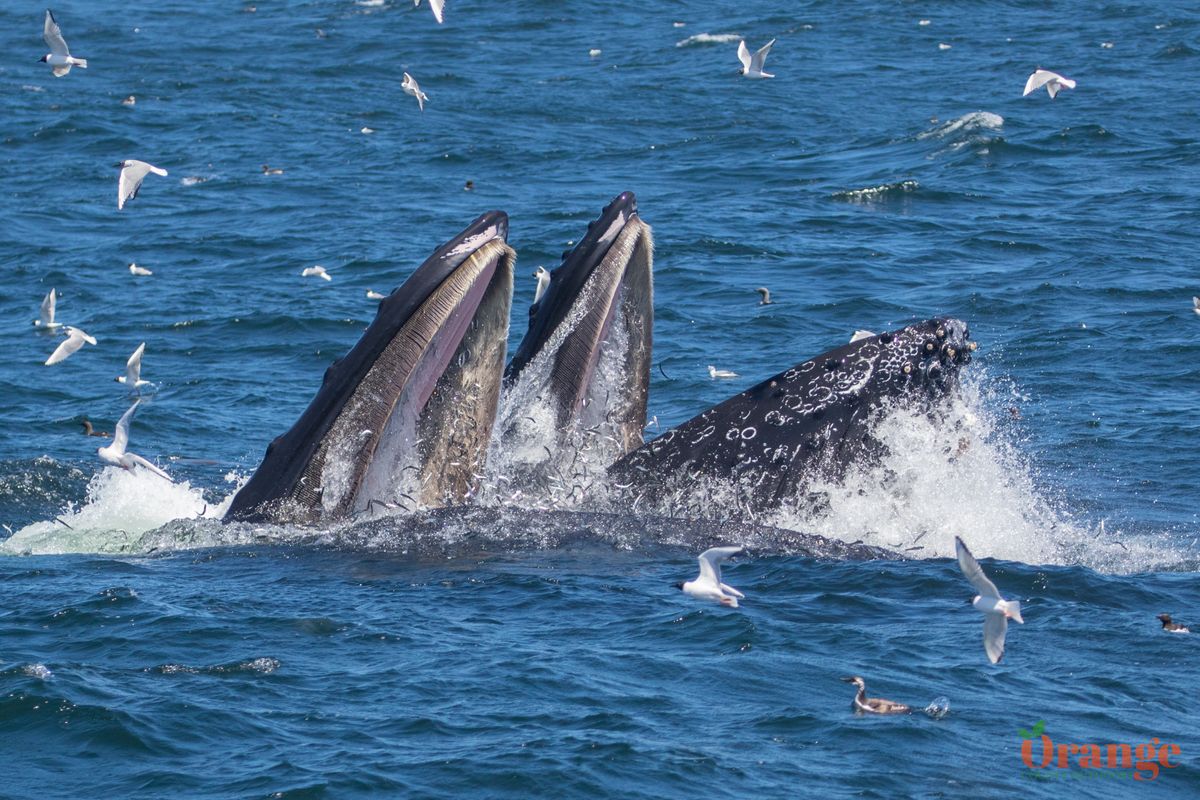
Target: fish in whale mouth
408,412
585,359
811,420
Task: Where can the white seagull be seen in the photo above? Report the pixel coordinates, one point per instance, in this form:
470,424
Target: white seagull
543,280
1051,80
74,341
860,334
133,371
317,270
752,65
1195,305
134,269
374,295
411,87
436,6
714,373
115,453
996,610
45,320
707,585
59,58
133,172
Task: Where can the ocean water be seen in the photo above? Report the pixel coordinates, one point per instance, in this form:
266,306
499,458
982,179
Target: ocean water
147,650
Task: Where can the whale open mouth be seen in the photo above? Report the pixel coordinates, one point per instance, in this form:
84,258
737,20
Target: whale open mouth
407,414
596,318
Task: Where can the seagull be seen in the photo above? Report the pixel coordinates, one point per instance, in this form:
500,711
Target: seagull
714,373
752,66
59,58
267,169
996,610
318,271
88,430
436,6
45,320
133,371
873,705
766,296
1196,304
543,280
136,270
1172,627
1051,80
133,172
75,340
129,101
860,334
115,453
707,585
374,295
411,87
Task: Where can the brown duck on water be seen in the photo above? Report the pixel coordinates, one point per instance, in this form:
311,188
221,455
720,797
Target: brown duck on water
873,705
1173,627
89,431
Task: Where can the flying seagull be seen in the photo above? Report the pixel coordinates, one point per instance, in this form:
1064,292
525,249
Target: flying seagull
133,371
752,66
74,341
133,172
707,585
45,320
374,295
1051,80
861,334
543,280
411,87
59,58
715,373
996,610
436,6
116,454
316,271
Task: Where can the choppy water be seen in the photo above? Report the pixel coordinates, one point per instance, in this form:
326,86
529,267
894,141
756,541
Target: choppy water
878,179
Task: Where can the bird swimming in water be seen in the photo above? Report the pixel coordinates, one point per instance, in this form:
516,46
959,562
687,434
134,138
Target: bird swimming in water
413,89
45,320
1172,627
374,295
715,373
752,65
134,269
267,169
1053,82
468,186
316,271
873,705
996,610
88,430
543,281
116,454
707,585
130,100
59,58
75,340
133,172
766,296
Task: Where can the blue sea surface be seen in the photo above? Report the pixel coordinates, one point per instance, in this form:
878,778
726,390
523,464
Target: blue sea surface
881,177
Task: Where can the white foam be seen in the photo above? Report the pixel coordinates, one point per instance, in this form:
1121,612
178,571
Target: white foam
976,120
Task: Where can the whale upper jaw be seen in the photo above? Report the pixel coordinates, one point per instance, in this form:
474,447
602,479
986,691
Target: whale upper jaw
813,420
599,304
408,412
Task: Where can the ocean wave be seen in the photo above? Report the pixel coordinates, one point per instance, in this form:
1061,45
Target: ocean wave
874,194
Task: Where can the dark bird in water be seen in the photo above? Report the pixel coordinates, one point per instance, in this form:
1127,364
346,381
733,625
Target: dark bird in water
89,431
766,296
1173,627
267,169
468,186
873,705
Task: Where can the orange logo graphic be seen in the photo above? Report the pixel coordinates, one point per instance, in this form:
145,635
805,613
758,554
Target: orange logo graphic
1040,752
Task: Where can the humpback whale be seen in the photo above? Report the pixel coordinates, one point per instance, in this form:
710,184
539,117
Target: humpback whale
594,320
408,412
808,421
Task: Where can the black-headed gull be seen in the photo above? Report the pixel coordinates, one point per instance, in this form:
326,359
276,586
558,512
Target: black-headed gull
436,6
873,705
715,373
766,296
996,610
316,271
412,88
45,320
133,371
74,341
707,585
752,65
1172,627
133,172
134,269
1051,80
116,454
543,281
59,58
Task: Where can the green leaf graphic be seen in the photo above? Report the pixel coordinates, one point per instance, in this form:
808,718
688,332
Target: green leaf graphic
1038,727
